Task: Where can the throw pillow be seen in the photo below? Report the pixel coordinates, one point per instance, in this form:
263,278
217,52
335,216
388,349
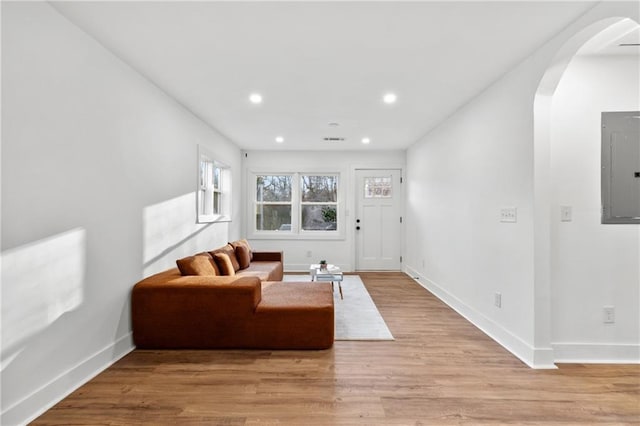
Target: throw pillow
200,264
244,257
224,263
229,251
244,243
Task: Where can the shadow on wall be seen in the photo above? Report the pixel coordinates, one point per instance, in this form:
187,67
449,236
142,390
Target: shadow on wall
41,281
170,232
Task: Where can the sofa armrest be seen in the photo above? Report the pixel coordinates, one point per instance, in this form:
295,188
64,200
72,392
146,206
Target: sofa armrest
187,295
191,311
268,256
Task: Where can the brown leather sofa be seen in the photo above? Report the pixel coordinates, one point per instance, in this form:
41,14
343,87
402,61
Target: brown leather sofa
251,309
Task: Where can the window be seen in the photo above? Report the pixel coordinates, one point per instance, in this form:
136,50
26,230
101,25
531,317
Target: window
378,187
273,203
319,202
213,200
295,204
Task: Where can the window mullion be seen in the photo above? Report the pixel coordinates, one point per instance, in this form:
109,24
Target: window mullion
295,203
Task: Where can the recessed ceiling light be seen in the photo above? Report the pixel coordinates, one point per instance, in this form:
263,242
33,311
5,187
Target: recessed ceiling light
279,139
366,140
255,98
390,98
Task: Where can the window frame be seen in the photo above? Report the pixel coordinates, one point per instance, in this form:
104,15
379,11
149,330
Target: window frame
258,203
206,169
302,203
296,232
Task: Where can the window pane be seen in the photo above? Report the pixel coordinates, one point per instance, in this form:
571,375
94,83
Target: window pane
216,178
318,217
273,217
319,189
378,187
273,188
217,198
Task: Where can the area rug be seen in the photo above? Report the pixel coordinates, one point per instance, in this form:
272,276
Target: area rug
357,317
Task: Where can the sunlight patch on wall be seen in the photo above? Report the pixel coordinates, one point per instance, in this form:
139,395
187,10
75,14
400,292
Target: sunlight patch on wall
40,282
170,232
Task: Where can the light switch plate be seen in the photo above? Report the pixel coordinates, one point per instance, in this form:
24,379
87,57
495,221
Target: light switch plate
508,214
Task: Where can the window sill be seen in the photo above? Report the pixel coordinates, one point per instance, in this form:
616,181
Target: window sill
335,236
215,218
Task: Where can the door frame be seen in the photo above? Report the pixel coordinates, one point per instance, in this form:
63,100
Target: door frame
353,206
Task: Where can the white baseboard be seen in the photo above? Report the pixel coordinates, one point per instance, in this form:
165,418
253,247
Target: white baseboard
540,358
596,353
34,405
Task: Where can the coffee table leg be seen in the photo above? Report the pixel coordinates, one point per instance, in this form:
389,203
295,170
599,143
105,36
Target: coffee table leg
339,287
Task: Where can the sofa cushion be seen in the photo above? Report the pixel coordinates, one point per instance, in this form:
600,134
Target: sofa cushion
266,271
262,275
242,243
224,263
200,264
229,251
244,256
308,305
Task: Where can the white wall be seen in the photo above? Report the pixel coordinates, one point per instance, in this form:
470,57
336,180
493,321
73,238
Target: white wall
484,157
340,251
458,178
98,180
592,264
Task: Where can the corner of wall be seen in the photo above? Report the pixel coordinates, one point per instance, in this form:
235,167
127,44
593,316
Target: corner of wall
538,358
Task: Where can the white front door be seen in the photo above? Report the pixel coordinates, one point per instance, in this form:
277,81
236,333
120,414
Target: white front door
378,222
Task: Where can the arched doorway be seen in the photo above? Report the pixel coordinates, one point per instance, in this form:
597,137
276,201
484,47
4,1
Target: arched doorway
547,214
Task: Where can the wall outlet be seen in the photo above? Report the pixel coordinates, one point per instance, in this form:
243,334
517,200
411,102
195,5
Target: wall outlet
308,253
508,214
609,314
497,299
565,214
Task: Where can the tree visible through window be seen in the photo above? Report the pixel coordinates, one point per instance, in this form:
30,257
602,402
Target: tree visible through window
319,202
273,203
308,205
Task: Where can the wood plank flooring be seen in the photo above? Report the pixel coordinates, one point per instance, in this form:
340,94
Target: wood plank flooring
440,370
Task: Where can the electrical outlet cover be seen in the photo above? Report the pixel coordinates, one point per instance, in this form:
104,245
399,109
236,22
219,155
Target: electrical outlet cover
609,315
565,214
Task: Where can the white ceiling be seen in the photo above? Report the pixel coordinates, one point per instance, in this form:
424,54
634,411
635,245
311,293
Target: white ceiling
321,62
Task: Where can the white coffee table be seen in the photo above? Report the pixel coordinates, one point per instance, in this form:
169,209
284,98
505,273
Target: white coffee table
331,273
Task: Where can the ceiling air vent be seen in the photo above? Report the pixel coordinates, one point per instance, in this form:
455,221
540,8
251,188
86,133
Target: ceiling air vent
333,139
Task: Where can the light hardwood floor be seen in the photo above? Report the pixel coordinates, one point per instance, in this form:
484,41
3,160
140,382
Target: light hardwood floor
440,370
